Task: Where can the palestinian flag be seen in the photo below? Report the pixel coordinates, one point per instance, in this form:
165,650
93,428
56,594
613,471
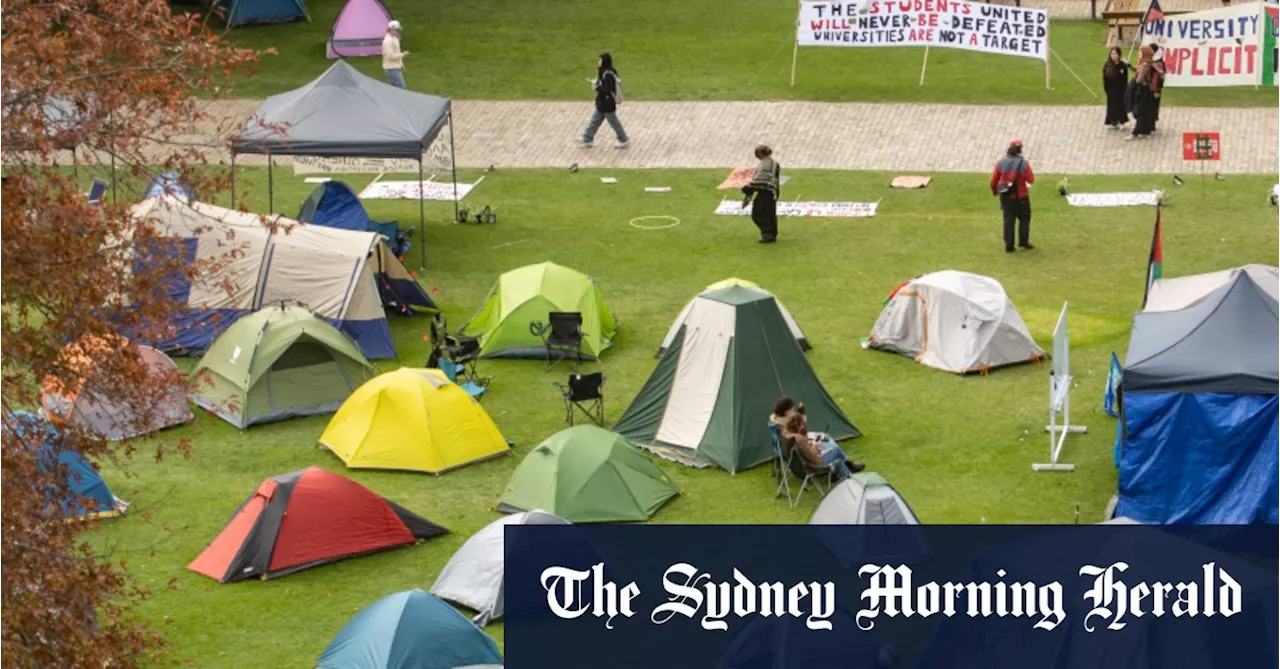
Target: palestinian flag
1155,261
1154,13
1270,52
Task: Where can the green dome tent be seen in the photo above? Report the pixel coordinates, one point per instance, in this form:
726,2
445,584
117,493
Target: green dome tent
709,399
587,474
527,295
277,363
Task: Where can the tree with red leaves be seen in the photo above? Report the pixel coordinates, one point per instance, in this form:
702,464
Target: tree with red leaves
114,82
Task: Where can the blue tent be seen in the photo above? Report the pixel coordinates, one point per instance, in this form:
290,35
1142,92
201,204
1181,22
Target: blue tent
1199,411
333,204
409,630
249,12
85,494
169,183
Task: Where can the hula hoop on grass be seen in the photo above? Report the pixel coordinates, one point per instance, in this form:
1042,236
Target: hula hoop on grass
634,222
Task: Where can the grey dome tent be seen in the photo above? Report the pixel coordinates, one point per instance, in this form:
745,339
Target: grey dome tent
864,499
473,576
344,113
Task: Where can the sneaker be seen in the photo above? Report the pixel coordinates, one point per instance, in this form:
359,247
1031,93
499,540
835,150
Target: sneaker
1130,137
1028,246
1008,249
622,145
585,144
767,240
856,467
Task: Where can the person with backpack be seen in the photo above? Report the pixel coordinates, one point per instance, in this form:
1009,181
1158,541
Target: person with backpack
608,88
1010,181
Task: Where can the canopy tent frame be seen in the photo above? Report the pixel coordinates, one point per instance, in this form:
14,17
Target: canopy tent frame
397,124
422,207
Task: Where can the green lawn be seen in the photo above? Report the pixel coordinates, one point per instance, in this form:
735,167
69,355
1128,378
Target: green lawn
685,50
959,449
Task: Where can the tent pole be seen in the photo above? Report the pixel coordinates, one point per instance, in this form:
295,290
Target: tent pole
271,187
422,222
453,164
233,179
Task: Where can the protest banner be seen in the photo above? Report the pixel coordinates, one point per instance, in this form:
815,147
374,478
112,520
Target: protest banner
1217,47
437,158
952,24
1139,199
815,209
414,190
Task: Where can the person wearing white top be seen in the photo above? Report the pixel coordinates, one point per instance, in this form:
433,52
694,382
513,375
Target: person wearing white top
392,56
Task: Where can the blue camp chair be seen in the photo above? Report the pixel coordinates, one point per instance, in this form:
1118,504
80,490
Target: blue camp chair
453,370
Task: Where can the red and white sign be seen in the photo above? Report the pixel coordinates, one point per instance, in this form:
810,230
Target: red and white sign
1201,146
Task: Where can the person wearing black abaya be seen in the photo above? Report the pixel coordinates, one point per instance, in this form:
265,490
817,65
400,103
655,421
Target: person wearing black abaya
1145,90
1115,81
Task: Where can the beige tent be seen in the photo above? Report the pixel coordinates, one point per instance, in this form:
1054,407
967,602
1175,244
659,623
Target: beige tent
1180,292
334,273
727,283
954,321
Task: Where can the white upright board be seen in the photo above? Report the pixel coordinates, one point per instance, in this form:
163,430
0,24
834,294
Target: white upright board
1059,399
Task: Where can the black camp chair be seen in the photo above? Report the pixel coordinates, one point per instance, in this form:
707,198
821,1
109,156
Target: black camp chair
562,335
800,468
583,395
460,350
97,192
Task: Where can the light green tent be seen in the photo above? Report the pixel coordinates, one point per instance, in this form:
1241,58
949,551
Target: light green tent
587,474
708,402
277,363
527,295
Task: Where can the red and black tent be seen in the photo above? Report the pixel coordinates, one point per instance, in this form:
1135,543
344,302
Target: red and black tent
304,519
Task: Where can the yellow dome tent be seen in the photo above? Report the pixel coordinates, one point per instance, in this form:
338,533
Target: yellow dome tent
412,419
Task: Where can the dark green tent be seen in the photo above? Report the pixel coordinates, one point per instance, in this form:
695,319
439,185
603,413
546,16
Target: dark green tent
708,401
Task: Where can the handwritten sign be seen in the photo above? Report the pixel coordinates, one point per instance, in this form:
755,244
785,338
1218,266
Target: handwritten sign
1201,146
437,158
800,209
414,190
954,24
1218,47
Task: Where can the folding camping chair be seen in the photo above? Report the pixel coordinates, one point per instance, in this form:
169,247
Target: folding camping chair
456,356
779,465
797,465
584,395
97,191
562,335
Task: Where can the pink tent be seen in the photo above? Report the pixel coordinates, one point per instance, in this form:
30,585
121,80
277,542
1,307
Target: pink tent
358,30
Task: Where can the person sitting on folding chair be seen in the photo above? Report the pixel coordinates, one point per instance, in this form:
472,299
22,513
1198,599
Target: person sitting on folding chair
817,453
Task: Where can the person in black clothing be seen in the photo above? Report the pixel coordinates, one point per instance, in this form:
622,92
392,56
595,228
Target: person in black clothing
764,186
1115,81
1157,60
608,90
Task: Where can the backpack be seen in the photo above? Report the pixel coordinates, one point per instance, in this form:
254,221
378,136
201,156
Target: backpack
1008,189
617,88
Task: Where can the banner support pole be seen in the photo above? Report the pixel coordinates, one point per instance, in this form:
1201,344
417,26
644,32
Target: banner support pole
795,48
924,65
1047,63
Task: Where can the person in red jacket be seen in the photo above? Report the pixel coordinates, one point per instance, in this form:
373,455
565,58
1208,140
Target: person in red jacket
1009,181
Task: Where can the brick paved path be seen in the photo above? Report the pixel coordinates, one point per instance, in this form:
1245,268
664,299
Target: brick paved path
852,136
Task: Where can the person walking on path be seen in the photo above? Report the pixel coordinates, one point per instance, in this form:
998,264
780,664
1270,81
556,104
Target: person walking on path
1115,81
1010,181
765,186
608,88
392,56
